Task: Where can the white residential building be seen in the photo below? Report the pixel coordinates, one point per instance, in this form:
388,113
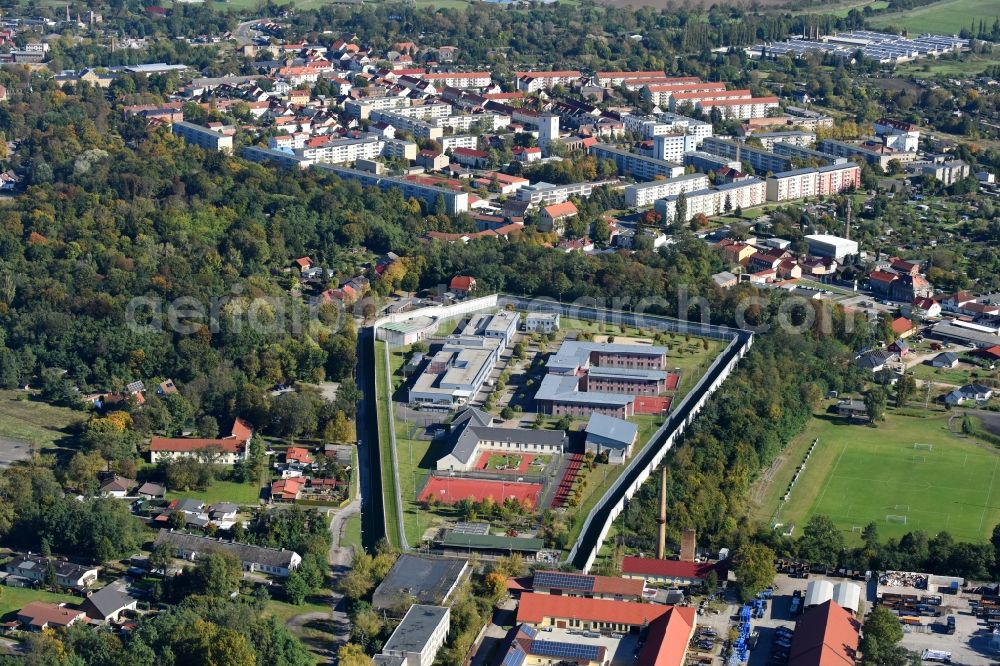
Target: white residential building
809,182
898,135
671,147
212,138
644,194
463,123
715,201
363,108
459,79
660,93
535,81
453,141
418,128
741,109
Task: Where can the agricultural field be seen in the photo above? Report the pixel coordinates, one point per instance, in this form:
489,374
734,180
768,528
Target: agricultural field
841,9
35,423
945,17
909,473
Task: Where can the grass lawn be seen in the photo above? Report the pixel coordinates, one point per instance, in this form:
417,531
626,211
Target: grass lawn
15,598
222,491
389,498
503,461
352,532
692,357
285,611
958,375
604,476
33,421
945,17
859,474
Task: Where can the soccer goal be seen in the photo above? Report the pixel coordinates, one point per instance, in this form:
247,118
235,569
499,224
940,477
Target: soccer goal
923,447
902,507
890,518
919,458
857,528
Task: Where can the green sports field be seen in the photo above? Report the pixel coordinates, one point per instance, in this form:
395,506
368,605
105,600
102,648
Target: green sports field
909,468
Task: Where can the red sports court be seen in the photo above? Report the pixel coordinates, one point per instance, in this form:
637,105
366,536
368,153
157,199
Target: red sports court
651,404
449,490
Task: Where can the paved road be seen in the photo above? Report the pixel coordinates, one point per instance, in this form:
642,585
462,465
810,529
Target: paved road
341,558
245,32
335,622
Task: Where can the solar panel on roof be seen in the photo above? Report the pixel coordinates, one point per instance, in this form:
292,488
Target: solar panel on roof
530,632
565,650
563,581
472,528
515,657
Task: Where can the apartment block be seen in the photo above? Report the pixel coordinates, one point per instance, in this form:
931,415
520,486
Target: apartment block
535,81
792,138
284,159
418,128
545,194
424,111
788,185
806,154
459,141
459,79
644,194
705,162
671,147
211,138
455,202
877,154
612,79
636,166
363,108
761,160
463,123
741,109
809,182
715,201
694,98
660,93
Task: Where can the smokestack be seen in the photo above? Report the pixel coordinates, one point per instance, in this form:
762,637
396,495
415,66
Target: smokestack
847,230
661,546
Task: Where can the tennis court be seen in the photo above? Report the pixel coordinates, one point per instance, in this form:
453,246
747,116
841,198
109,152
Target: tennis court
449,490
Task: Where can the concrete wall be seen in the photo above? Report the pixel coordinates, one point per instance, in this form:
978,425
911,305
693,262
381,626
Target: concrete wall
444,312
